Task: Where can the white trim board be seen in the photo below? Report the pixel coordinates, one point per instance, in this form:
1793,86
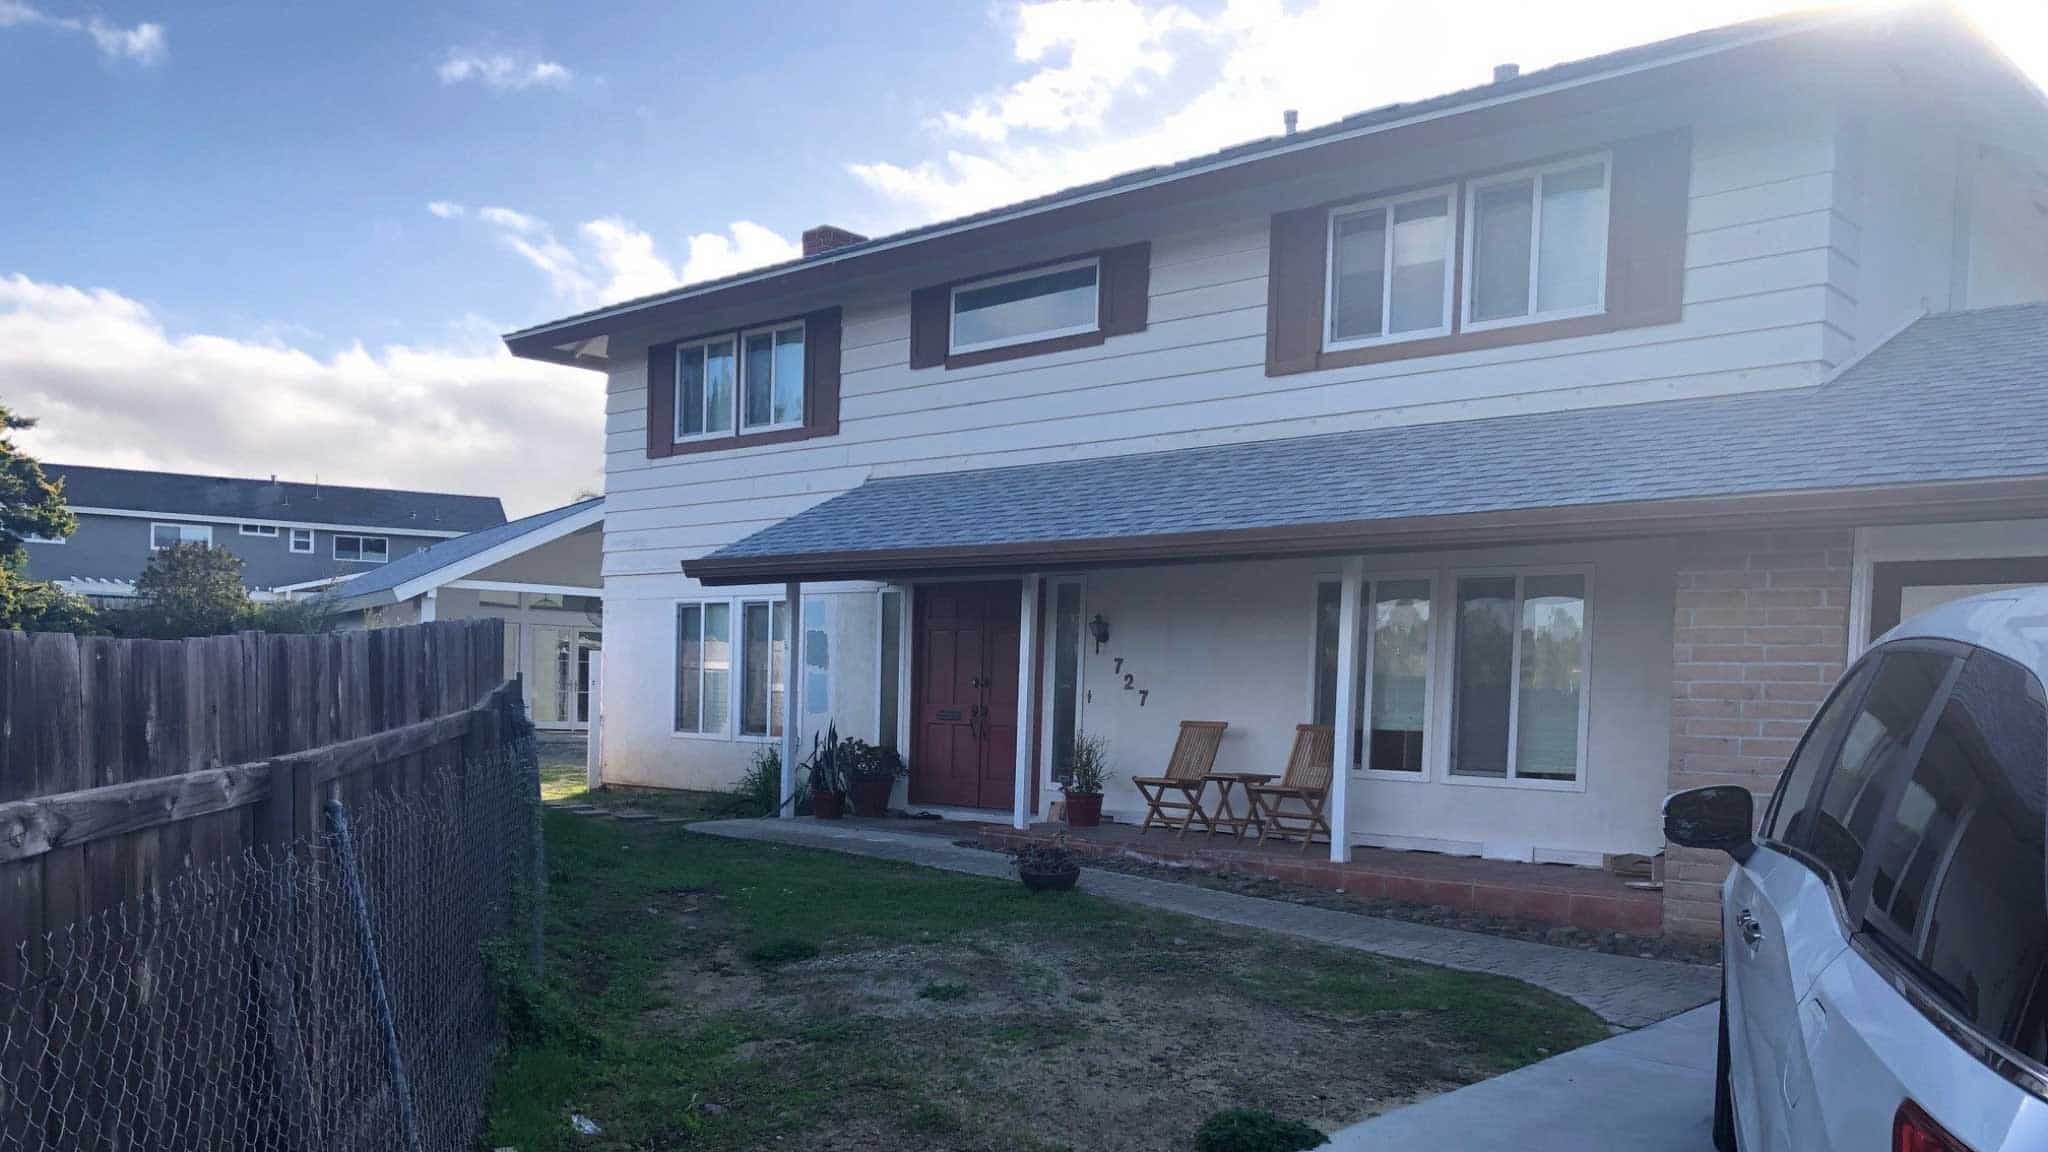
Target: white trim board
524,542
193,518
517,586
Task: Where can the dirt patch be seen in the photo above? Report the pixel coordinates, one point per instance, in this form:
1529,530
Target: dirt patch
1038,1036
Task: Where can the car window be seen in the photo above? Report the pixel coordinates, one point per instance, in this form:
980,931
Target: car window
1959,876
1788,811
1853,793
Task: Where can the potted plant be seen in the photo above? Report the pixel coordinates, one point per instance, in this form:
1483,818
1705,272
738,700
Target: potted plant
871,776
1048,865
1087,764
827,773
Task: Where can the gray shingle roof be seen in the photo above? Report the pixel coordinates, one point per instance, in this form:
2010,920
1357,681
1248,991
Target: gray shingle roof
1952,397
228,498
377,586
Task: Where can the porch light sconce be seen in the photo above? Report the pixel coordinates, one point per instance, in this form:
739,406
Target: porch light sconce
1098,629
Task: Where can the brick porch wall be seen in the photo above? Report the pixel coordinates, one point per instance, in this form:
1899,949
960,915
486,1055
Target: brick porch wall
1761,633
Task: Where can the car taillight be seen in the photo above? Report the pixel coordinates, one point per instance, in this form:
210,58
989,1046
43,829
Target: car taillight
1913,1130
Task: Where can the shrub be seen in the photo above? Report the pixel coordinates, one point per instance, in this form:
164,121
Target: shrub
1047,855
1087,764
1254,1130
760,785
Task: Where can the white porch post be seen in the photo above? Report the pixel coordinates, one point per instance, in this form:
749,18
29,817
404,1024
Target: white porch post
593,752
429,602
792,695
1348,660
1027,702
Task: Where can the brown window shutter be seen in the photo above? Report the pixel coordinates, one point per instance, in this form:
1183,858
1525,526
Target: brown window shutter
821,372
930,326
1294,291
1647,210
661,401
1126,289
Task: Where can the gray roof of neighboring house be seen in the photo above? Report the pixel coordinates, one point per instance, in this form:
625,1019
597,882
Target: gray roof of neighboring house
227,498
380,584
1673,49
1952,397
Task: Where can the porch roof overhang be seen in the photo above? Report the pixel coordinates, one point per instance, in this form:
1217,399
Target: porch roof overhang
1948,419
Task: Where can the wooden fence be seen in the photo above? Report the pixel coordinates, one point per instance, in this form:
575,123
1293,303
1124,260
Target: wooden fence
126,762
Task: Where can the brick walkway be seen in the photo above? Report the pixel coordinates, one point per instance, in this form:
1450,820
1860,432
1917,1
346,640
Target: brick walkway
1623,990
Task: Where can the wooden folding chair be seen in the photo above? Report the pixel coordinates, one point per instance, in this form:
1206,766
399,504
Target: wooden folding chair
1180,790
1306,784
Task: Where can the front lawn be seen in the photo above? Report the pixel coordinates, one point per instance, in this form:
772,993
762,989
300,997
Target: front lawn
709,994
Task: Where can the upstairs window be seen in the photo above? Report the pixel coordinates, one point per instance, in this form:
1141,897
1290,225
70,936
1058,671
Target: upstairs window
1390,270
363,549
772,378
302,541
1537,245
1022,307
707,375
163,536
259,530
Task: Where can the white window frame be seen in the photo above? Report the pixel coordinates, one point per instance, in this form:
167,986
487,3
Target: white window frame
1446,653
727,723
266,530
1334,343
740,425
953,345
335,548
298,535
738,389
740,605
205,531
1535,174
1049,755
1430,737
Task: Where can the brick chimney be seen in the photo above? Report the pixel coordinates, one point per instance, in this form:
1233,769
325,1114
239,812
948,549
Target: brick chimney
824,238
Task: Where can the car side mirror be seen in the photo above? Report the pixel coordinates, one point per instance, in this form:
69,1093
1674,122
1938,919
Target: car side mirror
1722,818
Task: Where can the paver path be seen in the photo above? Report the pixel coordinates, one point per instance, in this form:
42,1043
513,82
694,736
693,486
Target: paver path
1623,990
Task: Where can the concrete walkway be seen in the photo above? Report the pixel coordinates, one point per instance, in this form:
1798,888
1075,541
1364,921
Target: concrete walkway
1622,990
1650,1090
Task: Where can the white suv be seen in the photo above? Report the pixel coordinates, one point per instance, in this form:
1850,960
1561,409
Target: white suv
1885,979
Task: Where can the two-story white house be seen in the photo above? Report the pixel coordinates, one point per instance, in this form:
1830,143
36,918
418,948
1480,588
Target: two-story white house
1557,440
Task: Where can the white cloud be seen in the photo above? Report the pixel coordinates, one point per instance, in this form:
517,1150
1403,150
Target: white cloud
143,43
613,260
505,71
1118,85
112,386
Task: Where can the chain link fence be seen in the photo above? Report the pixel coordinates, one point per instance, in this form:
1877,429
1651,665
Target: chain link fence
333,993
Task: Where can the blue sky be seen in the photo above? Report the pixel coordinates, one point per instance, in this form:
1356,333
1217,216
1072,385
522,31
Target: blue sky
259,237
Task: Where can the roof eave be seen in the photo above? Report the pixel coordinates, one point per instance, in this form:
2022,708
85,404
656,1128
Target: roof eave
1834,507
555,341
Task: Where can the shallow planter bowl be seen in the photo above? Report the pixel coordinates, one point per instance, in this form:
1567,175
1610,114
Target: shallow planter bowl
1050,880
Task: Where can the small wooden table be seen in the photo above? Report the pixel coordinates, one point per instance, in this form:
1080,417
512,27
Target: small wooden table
1226,816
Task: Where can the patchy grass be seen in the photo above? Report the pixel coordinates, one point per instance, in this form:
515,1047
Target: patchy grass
722,995
563,781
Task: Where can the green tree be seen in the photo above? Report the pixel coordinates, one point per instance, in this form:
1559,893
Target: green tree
30,505
191,590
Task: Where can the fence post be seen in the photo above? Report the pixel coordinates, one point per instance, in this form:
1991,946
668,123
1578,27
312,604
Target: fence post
276,832
526,752
373,968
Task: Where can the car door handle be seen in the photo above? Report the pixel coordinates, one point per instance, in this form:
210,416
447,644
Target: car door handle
1752,931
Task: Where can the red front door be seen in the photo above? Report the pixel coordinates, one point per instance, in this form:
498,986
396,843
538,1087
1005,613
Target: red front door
963,748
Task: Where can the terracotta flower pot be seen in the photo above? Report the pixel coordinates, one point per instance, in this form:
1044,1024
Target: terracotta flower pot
1084,810
828,805
871,796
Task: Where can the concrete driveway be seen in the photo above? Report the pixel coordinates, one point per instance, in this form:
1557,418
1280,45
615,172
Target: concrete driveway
1651,1090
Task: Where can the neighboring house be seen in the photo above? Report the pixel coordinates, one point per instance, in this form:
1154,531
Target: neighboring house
1557,440
539,574
285,533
